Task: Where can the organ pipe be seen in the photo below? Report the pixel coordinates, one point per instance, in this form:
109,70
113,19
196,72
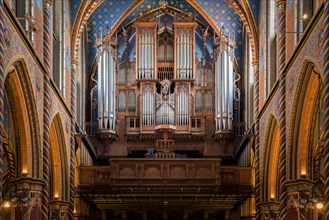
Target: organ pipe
184,56
106,84
146,32
224,82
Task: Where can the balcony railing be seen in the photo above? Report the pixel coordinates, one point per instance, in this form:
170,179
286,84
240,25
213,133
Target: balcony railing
169,175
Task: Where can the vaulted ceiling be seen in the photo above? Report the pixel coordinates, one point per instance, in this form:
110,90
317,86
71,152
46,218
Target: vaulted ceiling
117,13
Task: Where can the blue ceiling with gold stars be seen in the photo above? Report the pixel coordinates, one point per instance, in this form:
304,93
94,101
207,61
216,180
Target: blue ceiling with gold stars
111,10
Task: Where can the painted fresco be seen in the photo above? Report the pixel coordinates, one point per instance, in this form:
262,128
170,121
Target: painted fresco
14,49
312,50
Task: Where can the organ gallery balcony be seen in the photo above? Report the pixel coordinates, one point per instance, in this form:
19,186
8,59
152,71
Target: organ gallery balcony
169,176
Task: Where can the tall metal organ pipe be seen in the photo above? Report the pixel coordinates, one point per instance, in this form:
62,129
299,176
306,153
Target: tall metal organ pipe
106,86
224,83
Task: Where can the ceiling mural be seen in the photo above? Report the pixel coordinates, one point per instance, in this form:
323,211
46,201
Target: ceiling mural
109,12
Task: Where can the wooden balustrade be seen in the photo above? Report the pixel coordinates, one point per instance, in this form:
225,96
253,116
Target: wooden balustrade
172,175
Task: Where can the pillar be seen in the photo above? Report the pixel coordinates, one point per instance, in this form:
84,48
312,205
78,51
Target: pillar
326,105
296,191
1,95
73,132
281,4
269,210
256,130
46,104
59,209
28,196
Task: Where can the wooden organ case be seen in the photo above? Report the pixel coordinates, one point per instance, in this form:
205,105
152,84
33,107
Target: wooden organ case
166,96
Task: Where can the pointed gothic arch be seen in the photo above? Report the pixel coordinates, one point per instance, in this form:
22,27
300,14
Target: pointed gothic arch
271,160
21,98
59,179
304,118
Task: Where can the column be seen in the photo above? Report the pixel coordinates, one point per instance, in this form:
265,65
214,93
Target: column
59,209
27,196
281,5
1,95
326,105
256,127
298,190
46,104
73,132
269,210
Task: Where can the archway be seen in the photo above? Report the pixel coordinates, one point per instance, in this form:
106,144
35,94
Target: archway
22,143
59,179
305,144
272,161
305,117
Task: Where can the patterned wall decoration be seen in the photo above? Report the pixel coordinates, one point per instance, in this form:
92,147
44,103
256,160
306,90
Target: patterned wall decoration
15,49
109,11
312,51
75,7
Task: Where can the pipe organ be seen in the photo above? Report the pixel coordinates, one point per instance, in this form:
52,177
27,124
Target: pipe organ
224,83
106,86
164,88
